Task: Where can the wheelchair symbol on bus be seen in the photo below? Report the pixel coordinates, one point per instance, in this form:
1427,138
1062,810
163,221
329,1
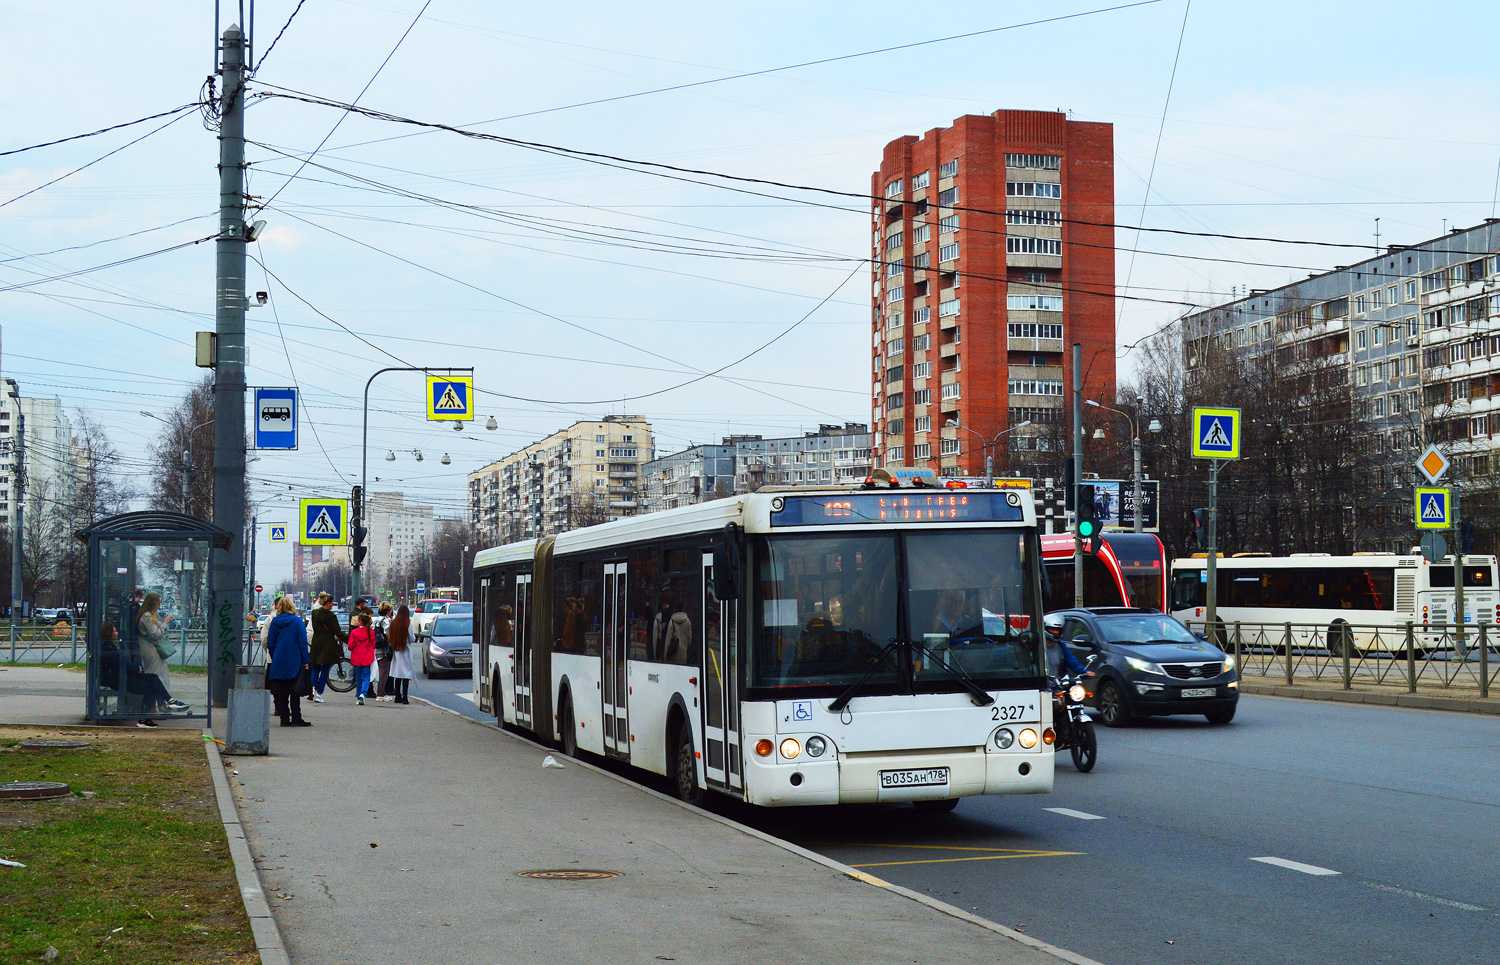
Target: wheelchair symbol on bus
802,710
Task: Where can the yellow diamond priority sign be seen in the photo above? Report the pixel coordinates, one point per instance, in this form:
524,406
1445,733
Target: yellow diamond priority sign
1433,464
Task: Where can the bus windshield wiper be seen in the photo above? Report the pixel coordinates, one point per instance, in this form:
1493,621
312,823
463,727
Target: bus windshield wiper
843,699
976,693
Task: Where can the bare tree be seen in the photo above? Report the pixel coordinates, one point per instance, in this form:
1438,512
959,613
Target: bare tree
98,491
189,431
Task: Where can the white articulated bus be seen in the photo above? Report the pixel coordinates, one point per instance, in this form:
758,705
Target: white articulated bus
792,647
1363,601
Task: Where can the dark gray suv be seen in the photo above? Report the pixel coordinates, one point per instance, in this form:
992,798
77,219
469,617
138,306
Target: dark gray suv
1149,664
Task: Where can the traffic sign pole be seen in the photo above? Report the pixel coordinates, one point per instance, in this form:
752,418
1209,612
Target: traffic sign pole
1213,546
1458,579
1216,437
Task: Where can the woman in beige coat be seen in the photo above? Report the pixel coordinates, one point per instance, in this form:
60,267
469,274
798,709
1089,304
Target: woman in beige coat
152,628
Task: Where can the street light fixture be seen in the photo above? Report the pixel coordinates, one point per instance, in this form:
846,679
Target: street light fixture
988,446
1135,452
491,424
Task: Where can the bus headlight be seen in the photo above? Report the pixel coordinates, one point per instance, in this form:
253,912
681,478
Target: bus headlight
1076,693
816,746
790,748
1028,738
1004,738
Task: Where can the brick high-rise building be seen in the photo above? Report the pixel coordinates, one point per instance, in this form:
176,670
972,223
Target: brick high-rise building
994,252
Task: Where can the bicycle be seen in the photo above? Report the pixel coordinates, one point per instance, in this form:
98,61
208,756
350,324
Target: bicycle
341,676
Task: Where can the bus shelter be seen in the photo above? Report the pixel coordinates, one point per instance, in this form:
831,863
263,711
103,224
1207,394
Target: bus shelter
149,608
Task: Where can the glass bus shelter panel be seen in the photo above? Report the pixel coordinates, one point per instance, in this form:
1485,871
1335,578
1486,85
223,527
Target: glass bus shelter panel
148,627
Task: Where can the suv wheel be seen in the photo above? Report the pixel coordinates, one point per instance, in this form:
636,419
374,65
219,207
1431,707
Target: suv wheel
1112,708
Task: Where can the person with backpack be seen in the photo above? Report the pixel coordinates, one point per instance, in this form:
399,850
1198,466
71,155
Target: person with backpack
382,626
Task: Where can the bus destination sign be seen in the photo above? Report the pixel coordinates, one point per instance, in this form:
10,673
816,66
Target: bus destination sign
899,506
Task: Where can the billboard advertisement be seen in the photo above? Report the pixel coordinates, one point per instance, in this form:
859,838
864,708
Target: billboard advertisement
1114,503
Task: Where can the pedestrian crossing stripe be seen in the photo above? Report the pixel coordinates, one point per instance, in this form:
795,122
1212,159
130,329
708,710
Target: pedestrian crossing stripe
323,521
450,397
1434,509
1216,433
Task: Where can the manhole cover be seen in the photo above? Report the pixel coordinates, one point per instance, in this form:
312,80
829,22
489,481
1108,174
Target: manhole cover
570,874
32,789
42,744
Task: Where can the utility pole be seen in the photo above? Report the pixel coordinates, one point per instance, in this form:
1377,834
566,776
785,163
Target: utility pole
1458,579
229,381
17,526
1077,470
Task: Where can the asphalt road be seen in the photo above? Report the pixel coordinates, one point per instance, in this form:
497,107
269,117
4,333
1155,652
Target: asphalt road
1381,826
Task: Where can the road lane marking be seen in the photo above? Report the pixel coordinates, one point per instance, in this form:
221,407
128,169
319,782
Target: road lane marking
983,857
466,695
1307,869
1080,815
1408,893
868,879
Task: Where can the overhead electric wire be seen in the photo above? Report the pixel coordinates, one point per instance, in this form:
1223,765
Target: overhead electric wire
102,241
275,40
102,130
84,167
112,264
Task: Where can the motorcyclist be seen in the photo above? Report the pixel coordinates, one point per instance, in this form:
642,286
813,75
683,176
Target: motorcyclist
1060,658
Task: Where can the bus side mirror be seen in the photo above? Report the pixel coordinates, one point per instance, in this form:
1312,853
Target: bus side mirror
727,565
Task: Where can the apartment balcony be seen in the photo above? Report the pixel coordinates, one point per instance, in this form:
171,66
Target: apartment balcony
948,351
948,322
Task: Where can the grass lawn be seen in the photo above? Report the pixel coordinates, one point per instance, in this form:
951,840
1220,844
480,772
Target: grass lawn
137,871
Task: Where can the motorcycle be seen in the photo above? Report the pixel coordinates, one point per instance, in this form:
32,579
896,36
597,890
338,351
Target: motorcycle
1075,730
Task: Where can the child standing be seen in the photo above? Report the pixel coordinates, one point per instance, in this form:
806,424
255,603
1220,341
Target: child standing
399,636
362,653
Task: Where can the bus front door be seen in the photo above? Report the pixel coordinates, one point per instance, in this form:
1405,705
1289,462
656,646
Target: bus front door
720,691
615,640
521,667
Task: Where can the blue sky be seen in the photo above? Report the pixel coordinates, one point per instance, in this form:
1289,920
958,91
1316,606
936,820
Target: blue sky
1302,121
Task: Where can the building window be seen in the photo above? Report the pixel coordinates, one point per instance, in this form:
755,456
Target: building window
948,225
1033,189
1411,364
948,169
895,453
599,438
893,190
895,400
919,180
920,261
1036,387
894,321
920,315
1033,246
895,373
951,390
1377,335
1359,341
896,427
921,370
922,450
949,307
895,294
1361,304
950,447
1377,372
1034,303
922,423
1377,300
921,343
919,233
895,347
894,268
921,397
1411,291
1361,376
947,197
1411,328
1043,162
1033,330
893,241
1031,216
948,252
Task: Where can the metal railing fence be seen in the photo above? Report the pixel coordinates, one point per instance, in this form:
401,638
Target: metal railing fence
1442,656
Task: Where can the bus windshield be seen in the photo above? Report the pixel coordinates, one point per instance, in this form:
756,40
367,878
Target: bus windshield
827,610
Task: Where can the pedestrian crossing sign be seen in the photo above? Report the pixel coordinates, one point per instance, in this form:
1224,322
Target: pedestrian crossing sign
450,397
1216,433
323,521
1434,509
278,534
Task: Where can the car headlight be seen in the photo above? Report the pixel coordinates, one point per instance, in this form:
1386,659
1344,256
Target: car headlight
1076,693
1028,738
790,748
1145,666
816,746
1228,665
1004,737
434,649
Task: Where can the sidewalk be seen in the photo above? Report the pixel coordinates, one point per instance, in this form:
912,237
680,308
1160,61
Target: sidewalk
55,697
398,834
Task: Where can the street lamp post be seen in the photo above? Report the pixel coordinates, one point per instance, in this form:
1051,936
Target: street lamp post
987,446
187,454
1135,452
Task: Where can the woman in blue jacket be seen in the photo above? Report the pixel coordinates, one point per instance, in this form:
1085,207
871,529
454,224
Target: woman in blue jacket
286,644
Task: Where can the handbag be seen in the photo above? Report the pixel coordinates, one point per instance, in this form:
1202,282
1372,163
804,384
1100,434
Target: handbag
304,687
164,648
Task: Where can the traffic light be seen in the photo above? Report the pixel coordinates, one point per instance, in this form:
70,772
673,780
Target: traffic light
358,531
1087,526
1466,536
1200,528
1068,493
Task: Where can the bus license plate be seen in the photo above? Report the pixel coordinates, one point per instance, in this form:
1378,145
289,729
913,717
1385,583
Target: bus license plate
925,777
1199,691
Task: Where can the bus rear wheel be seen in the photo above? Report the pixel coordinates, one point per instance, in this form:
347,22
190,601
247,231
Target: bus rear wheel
1339,640
567,727
685,769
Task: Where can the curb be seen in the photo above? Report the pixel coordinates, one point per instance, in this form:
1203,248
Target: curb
1461,705
1062,954
268,941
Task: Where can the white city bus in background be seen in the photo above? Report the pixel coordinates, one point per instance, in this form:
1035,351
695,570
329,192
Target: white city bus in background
1364,600
786,647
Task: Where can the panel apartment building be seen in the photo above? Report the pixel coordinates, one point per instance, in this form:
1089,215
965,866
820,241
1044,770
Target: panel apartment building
587,473
1415,332
993,252
743,463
